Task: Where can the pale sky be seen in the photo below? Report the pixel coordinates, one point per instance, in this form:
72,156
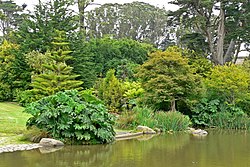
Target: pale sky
158,3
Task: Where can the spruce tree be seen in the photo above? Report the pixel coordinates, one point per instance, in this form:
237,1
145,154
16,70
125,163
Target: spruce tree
58,75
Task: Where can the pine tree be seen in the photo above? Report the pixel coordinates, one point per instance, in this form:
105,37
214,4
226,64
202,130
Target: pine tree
58,75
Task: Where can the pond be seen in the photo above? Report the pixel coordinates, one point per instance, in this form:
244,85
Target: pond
218,149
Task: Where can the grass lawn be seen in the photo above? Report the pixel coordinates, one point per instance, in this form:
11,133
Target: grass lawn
12,122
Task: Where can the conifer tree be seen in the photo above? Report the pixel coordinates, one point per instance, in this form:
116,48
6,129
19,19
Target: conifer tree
14,71
58,75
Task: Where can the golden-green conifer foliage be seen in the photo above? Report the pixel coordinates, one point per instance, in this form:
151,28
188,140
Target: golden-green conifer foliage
58,75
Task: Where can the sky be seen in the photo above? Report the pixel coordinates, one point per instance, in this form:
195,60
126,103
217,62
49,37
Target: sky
158,3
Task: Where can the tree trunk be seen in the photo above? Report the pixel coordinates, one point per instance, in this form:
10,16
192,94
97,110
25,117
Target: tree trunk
230,51
173,107
81,9
209,35
221,37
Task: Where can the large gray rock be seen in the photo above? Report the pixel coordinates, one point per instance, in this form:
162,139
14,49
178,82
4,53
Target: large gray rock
47,142
145,130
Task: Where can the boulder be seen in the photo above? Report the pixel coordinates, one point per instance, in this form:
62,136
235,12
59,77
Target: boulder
199,132
47,142
145,130
45,150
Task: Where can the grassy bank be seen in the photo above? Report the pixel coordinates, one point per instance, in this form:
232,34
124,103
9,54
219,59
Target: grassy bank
12,123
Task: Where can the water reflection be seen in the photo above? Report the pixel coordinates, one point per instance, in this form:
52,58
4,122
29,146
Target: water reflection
218,149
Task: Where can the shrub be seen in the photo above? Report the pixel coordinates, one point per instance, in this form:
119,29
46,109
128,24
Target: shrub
132,91
217,113
118,95
26,97
203,111
167,78
145,116
73,118
227,120
229,83
175,121
126,120
166,121
110,90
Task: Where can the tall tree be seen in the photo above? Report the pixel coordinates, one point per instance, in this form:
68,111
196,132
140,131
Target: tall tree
221,22
10,16
167,78
58,75
39,28
14,71
138,21
82,5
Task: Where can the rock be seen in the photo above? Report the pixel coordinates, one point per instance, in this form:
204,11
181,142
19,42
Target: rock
145,130
47,142
199,132
45,150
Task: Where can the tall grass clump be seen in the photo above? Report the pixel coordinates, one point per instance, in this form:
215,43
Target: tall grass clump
139,116
146,116
126,120
175,121
227,120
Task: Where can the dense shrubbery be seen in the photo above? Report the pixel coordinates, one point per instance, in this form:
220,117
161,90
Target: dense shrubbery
116,94
216,113
95,57
167,79
166,121
228,120
73,118
226,94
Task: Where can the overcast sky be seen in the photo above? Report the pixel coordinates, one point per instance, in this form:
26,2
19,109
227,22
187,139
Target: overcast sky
159,3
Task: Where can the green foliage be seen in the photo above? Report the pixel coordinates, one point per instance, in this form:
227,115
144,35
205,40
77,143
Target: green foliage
28,96
218,113
111,91
228,82
73,118
14,72
118,95
166,121
126,69
207,19
194,41
38,29
57,75
167,77
94,58
204,110
175,121
36,60
132,91
226,120
10,16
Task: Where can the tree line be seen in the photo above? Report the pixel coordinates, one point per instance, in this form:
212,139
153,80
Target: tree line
128,55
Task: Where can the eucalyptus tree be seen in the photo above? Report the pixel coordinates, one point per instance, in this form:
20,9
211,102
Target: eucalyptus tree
10,16
82,5
138,21
222,23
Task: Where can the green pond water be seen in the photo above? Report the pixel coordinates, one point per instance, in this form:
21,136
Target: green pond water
218,149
